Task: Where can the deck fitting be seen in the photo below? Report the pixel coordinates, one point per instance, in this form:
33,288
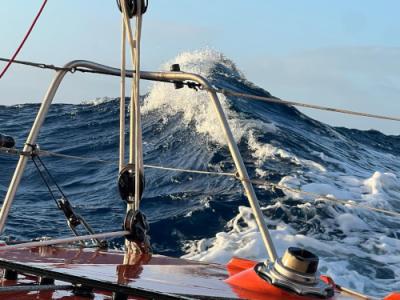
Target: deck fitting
46,280
119,296
83,291
10,274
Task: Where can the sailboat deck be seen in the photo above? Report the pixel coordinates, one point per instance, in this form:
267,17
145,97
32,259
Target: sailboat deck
112,271
107,272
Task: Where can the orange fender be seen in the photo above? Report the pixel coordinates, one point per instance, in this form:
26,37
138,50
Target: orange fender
247,284
393,296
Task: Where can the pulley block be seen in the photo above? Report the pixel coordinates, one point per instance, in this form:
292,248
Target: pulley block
126,183
132,6
6,141
176,68
136,223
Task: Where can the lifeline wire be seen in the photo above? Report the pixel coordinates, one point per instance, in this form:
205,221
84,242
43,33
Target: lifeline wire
233,175
67,240
221,91
293,103
34,288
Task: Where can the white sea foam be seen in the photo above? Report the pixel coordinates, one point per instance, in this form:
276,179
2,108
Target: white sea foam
97,101
348,237
196,107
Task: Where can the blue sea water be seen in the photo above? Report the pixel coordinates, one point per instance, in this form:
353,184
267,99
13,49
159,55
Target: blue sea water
204,216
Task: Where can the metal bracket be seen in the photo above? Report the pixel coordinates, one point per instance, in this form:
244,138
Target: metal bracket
305,285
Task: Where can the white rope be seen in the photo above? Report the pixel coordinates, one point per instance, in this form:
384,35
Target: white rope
33,288
138,126
319,107
89,159
222,91
55,154
349,202
132,44
136,152
122,100
190,171
67,240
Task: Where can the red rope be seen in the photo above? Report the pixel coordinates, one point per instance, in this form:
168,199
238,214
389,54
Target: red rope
24,40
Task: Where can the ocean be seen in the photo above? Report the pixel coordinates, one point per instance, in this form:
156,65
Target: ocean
207,217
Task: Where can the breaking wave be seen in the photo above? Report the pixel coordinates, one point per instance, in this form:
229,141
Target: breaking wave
207,217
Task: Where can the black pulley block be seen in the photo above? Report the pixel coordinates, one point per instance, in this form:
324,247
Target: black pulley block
136,223
176,68
126,183
132,6
6,141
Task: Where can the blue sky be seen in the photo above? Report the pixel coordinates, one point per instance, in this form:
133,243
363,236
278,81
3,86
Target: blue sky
338,53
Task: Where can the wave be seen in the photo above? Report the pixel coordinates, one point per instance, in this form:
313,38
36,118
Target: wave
206,217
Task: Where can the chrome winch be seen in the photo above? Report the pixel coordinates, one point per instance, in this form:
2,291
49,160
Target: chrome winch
296,271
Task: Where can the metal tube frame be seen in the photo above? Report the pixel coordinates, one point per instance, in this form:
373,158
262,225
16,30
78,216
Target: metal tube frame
153,76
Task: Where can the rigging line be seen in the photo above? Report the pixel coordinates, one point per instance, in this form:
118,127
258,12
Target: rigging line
136,153
325,198
51,177
138,126
67,240
35,64
82,158
234,175
55,154
132,104
313,106
13,151
122,98
34,288
46,183
190,171
24,39
255,181
132,44
221,91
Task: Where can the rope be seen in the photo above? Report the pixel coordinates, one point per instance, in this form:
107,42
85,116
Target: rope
73,219
139,169
221,91
13,151
319,107
36,65
23,40
82,158
34,288
49,153
49,175
190,171
132,107
65,240
136,152
46,183
234,175
122,100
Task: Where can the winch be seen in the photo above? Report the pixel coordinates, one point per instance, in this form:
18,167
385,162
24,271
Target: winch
6,141
296,271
